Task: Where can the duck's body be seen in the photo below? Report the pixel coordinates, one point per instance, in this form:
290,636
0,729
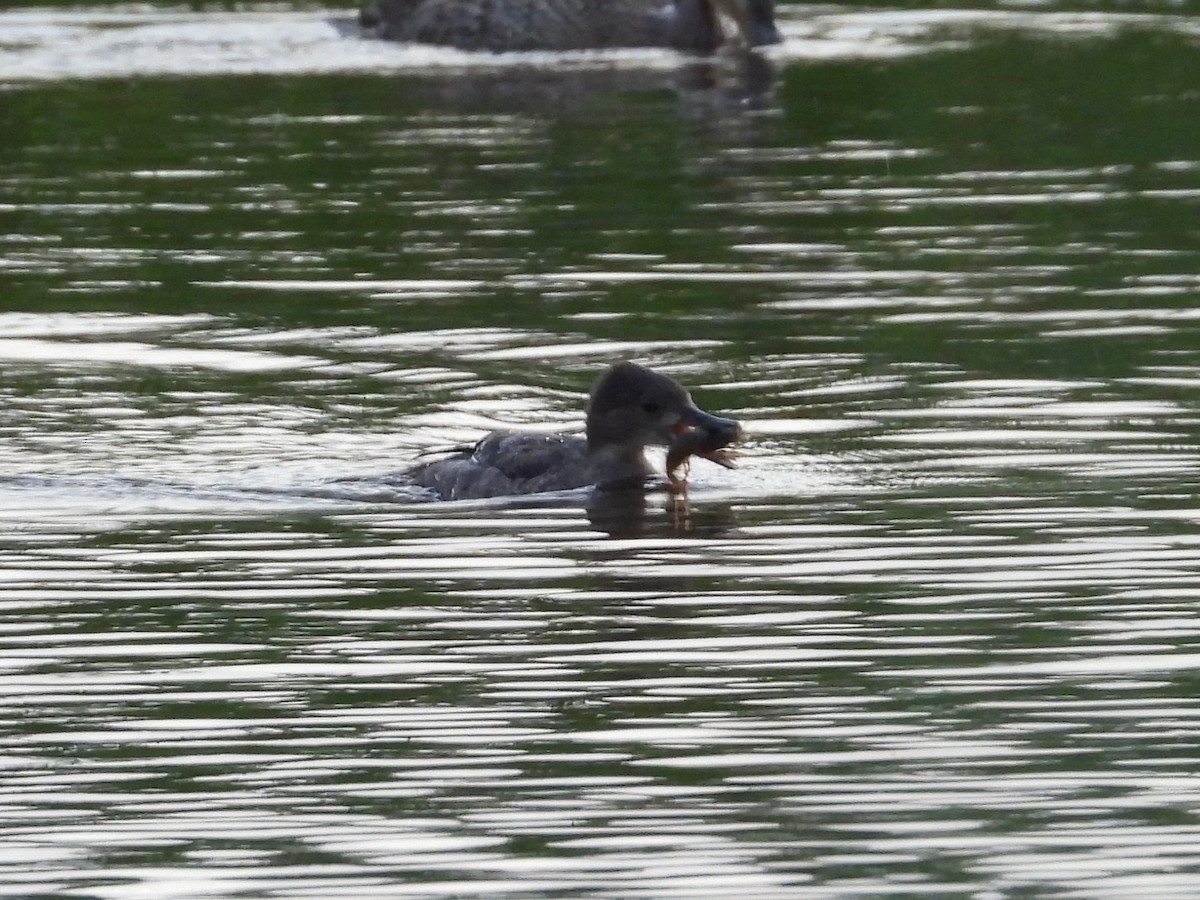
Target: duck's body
629,408
505,463
516,25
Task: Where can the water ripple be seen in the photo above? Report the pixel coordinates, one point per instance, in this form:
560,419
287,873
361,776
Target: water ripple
935,636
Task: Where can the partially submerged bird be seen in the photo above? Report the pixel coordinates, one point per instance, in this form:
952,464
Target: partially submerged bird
499,26
629,408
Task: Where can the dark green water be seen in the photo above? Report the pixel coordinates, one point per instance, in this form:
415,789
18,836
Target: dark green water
936,636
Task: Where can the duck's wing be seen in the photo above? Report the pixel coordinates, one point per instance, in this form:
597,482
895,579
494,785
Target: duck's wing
506,463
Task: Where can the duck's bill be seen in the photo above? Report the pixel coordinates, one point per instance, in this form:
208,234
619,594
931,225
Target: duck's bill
702,434
708,431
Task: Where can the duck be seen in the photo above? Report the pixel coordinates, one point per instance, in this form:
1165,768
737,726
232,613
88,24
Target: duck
629,408
500,26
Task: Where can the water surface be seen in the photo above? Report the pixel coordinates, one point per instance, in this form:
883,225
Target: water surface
936,636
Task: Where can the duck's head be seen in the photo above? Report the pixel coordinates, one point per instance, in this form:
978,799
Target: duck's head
755,20
631,407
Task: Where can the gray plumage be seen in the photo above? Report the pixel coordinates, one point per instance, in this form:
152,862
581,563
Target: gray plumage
517,25
629,408
505,463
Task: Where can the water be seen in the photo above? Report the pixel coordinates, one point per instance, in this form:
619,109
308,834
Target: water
936,636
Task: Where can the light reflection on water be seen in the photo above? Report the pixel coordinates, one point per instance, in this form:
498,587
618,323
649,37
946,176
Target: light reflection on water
935,636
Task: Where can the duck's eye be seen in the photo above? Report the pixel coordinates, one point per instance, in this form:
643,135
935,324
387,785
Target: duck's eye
652,406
